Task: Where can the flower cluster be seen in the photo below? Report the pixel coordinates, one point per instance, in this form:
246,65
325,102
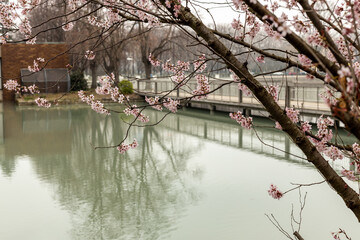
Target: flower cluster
275,192
325,135
333,153
13,85
246,122
177,6
244,89
278,126
260,59
68,26
106,88
305,126
328,97
171,104
292,114
154,102
349,175
236,24
200,65
178,70
154,61
356,149
122,148
347,50
90,55
42,102
344,72
97,106
323,131
279,25
36,67
274,91
239,4
304,60
134,110
203,87
316,40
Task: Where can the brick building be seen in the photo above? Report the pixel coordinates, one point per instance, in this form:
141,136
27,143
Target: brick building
15,59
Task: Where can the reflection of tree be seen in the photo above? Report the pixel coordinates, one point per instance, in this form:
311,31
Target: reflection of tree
139,195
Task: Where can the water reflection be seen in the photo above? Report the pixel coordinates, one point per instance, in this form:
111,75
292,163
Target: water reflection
110,196
138,195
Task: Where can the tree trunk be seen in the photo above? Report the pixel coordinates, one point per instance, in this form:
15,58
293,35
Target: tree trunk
93,74
148,68
116,74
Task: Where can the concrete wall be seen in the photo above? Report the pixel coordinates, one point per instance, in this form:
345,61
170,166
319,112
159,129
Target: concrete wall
18,56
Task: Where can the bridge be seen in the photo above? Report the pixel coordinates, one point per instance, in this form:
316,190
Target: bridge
295,91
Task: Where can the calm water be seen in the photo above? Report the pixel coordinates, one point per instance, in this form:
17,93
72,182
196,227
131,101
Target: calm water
195,176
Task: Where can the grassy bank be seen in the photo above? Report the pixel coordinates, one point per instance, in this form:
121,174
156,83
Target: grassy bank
65,98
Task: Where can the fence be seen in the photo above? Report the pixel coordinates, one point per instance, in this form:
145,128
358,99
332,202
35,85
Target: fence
294,91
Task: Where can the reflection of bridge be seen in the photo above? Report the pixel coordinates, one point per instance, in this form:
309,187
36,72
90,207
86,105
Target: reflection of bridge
295,91
231,134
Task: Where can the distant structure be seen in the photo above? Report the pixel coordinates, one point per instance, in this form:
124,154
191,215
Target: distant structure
16,57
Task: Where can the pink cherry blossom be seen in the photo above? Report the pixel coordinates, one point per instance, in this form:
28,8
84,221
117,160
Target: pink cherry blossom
275,192
154,102
333,153
42,102
200,65
135,111
356,149
274,91
292,114
171,104
89,55
260,59
68,26
203,86
304,60
11,85
349,175
305,126
122,148
154,61
245,122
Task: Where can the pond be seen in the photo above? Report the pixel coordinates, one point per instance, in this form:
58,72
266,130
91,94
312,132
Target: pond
194,176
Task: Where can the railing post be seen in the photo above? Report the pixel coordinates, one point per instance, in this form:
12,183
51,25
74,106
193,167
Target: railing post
156,87
240,138
317,98
177,93
287,96
240,96
45,78
138,85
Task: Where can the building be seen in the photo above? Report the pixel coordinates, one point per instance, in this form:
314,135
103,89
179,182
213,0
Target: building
16,57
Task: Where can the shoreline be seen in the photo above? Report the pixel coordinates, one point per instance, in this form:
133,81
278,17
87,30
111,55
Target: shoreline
70,98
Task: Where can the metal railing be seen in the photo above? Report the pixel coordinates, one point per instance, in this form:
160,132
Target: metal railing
294,91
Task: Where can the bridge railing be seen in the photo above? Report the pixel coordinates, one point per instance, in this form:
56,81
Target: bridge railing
301,93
